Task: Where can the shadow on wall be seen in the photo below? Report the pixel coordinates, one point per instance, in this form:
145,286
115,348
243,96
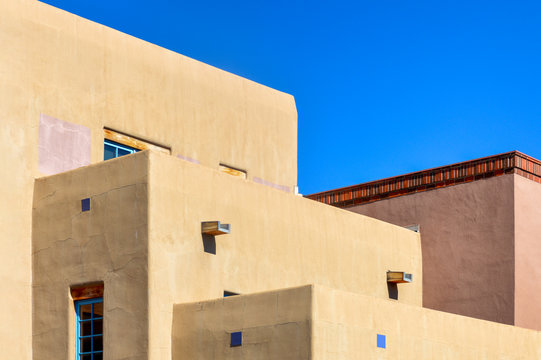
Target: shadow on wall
392,288
209,244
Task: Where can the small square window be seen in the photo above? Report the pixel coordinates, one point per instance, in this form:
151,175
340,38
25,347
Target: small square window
85,204
381,341
236,339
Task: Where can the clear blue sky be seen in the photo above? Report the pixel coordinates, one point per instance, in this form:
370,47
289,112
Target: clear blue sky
382,87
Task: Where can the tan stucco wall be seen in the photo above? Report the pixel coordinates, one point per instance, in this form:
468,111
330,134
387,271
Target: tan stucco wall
275,325
467,236
107,243
527,253
277,240
78,71
344,326
66,67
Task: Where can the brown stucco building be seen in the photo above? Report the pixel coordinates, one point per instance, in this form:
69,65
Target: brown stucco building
119,160
478,222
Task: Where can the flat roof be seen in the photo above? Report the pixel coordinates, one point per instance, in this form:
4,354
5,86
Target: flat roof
513,162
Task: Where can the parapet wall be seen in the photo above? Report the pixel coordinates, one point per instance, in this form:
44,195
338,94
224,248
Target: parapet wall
338,325
275,325
346,326
142,238
277,240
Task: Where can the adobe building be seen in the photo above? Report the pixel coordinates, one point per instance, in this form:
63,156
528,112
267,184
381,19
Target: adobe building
150,212
479,223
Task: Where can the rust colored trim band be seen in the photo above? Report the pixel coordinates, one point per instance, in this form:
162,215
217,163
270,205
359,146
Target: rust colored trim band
512,162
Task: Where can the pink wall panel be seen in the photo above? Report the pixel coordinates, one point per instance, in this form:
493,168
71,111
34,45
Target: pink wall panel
527,253
467,239
62,145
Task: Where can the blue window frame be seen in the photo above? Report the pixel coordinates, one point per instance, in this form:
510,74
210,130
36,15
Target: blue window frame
113,150
89,314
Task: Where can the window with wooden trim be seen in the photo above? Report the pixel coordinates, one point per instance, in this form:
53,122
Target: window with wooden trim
117,144
89,315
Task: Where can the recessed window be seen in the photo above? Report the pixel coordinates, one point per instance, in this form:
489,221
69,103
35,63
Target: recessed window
117,144
236,339
381,341
88,301
85,204
113,150
89,323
